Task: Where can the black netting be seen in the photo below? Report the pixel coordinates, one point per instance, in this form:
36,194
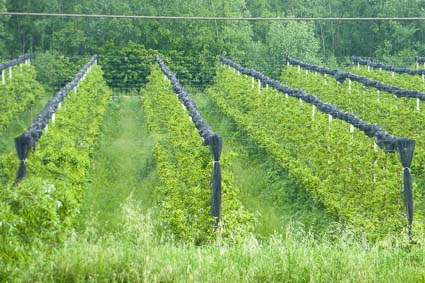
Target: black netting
383,139
406,148
420,59
216,145
23,146
29,138
203,128
20,60
366,62
210,138
341,76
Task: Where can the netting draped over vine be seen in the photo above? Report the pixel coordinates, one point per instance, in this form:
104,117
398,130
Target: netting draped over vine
27,141
212,139
341,76
21,59
383,139
358,60
420,59
406,148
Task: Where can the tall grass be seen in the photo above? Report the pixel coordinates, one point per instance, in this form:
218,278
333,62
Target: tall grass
136,253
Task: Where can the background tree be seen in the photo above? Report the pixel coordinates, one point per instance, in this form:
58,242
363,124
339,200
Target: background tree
3,34
127,67
291,39
196,44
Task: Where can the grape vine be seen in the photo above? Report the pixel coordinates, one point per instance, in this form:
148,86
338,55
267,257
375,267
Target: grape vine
410,79
18,94
184,167
44,205
339,167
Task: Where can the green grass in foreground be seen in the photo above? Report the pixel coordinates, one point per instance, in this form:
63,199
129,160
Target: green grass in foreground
133,253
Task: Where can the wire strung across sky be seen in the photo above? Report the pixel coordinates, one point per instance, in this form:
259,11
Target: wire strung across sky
202,18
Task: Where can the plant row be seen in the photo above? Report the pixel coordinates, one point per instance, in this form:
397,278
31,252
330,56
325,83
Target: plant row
342,76
397,115
28,140
184,166
210,138
355,60
403,80
18,94
340,166
43,206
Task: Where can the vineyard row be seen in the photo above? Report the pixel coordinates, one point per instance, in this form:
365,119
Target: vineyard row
389,143
29,138
210,138
341,76
355,60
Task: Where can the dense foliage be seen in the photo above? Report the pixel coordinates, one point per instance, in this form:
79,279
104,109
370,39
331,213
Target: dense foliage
19,93
184,167
413,82
54,69
201,41
340,169
127,67
43,206
395,114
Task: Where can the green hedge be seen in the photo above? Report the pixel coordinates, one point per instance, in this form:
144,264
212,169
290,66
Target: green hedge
185,167
19,93
397,115
45,204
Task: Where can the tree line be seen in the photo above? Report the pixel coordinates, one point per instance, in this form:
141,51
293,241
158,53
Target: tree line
261,44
